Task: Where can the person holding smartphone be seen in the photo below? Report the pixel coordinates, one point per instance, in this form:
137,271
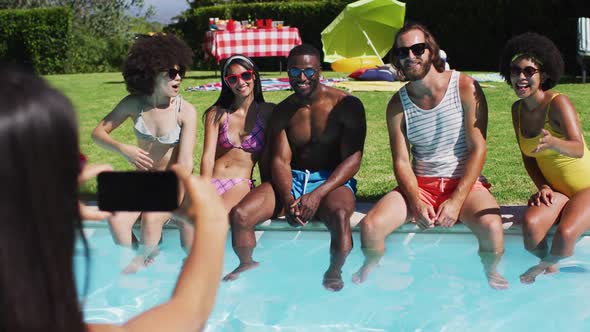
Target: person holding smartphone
554,152
165,126
235,127
40,173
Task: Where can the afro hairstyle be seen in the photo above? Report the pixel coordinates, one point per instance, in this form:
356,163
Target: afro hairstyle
150,55
541,50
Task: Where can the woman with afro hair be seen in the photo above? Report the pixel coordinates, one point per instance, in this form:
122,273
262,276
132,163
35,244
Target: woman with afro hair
554,152
165,126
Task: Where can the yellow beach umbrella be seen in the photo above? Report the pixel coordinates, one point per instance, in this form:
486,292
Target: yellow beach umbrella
363,28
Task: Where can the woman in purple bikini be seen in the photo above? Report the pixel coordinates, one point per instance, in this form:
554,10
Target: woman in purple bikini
234,132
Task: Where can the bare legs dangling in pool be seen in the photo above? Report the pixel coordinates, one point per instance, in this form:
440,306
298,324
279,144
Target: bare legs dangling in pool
380,221
574,220
260,204
335,211
480,213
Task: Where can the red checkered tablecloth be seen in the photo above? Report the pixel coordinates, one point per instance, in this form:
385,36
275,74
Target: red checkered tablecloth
251,42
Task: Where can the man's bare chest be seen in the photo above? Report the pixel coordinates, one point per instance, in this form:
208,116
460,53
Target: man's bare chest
309,126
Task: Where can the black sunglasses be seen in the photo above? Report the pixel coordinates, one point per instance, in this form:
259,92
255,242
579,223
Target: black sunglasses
528,71
232,80
308,72
172,72
404,52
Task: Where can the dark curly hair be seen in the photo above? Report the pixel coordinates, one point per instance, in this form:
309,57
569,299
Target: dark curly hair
150,55
540,49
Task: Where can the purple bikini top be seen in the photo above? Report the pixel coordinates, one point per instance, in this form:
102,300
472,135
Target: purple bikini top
253,143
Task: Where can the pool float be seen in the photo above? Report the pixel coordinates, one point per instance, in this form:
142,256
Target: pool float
349,65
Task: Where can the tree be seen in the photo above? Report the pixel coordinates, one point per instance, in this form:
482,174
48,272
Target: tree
206,3
100,17
102,30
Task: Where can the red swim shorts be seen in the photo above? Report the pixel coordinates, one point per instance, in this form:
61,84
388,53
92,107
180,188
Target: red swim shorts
433,191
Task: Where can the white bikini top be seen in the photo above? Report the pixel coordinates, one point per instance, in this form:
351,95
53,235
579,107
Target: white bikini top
172,138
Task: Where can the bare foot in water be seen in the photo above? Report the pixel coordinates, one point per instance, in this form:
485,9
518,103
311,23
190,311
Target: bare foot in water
552,269
496,280
490,262
141,261
235,274
333,281
151,258
137,263
529,276
372,258
361,275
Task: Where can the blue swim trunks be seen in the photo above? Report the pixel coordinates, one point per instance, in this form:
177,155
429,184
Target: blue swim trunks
314,180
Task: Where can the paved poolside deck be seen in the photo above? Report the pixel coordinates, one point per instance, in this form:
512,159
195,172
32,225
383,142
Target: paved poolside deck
511,219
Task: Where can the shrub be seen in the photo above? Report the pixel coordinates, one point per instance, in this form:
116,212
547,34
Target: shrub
91,53
37,38
472,32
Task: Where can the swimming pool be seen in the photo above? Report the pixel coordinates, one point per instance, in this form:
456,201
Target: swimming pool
425,282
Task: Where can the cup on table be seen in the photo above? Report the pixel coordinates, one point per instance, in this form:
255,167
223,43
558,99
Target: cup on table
268,24
231,25
245,24
260,23
280,24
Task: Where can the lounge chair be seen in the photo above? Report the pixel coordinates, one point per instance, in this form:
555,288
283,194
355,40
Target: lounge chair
583,44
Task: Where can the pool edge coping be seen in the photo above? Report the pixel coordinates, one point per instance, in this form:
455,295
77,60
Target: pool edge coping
511,222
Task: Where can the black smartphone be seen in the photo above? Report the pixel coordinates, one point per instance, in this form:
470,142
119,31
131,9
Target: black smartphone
137,191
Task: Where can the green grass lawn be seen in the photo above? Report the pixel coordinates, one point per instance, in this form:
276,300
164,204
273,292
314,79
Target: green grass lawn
94,95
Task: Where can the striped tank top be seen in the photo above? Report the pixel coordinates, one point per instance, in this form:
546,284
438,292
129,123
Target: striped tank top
437,135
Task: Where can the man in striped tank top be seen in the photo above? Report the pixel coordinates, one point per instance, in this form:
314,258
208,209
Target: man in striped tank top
440,119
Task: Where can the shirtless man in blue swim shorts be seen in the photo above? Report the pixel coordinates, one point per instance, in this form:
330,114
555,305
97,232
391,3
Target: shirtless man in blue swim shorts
317,138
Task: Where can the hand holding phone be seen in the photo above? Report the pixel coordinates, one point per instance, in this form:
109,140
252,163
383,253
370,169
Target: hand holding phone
137,191
201,202
90,171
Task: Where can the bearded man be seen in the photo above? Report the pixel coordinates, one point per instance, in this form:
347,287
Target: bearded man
441,118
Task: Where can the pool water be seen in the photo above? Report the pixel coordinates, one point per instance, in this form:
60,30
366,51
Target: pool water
426,282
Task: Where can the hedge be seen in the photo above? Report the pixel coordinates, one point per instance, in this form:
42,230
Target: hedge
472,32
37,38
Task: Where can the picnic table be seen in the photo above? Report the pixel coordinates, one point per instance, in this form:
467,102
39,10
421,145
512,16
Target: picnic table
221,44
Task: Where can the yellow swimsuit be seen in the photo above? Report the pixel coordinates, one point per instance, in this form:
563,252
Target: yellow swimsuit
565,174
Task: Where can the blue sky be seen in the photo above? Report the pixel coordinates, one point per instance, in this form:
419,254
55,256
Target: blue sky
166,9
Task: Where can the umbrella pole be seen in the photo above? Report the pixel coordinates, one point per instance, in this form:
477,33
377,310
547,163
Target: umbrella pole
371,44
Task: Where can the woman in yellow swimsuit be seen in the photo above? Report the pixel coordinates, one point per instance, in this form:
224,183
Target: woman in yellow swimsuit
553,150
